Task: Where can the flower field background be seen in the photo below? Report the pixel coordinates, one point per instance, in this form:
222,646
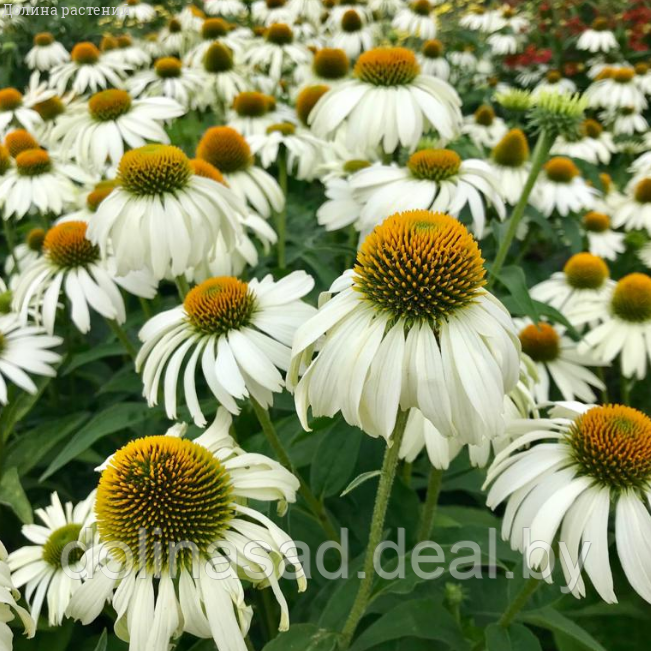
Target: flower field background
312,273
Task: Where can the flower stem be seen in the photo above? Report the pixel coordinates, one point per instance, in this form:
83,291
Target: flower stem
315,505
519,601
119,332
146,310
539,156
431,502
387,477
182,286
625,386
281,215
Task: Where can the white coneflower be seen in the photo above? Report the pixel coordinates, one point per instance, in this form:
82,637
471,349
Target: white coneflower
330,66
643,77
72,264
228,151
503,43
303,149
252,112
138,11
191,539
580,462
89,202
129,53
225,7
110,122
239,332
634,211
597,38
433,179
44,567
16,111
352,35
479,19
46,53
509,162
389,103
558,360
213,31
223,80
277,53
615,88
432,60
594,144
410,326
624,121
554,82
39,184
162,216
16,142
175,40
308,10
268,12
168,78
24,349
341,208
611,198
89,71
561,188
26,252
602,240
9,597
484,128
52,110
626,327
579,291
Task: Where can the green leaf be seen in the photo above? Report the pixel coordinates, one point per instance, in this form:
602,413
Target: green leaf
335,459
515,281
359,480
552,620
556,316
103,640
111,349
32,446
13,496
516,638
115,418
423,618
304,637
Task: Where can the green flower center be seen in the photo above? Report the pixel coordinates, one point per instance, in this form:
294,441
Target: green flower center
54,550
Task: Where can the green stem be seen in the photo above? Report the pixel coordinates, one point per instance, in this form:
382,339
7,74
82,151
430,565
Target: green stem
249,644
11,242
519,601
539,156
431,502
601,374
625,386
146,310
406,473
281,216
387,477
119,332
182,286
315,505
